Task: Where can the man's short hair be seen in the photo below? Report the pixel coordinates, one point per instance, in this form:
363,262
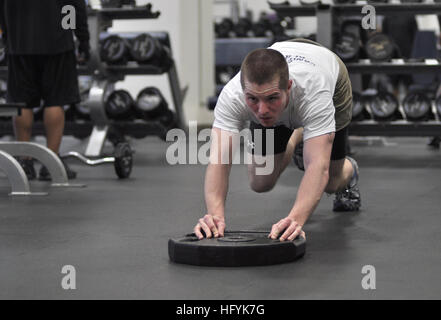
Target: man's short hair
262,66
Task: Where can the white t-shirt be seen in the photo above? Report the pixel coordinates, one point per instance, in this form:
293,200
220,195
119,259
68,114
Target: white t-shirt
314,71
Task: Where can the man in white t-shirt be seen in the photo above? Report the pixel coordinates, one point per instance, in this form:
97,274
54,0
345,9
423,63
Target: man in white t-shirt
302,92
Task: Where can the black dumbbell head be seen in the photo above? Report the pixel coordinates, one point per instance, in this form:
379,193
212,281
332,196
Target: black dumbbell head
383,105
144,48
224,28
150,103
119,105
243,27
380,47
113,50
417,106
347,46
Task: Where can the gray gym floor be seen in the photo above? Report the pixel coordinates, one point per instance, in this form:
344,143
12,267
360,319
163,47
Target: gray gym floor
115,232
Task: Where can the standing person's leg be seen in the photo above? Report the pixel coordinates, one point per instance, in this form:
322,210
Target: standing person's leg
59,88
54,125
23,87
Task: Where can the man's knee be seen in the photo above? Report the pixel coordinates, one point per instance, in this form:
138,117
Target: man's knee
261,185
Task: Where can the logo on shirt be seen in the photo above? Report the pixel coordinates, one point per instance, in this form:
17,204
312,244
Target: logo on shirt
298,58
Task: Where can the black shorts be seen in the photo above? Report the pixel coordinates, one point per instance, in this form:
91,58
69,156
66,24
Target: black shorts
51,78
282,135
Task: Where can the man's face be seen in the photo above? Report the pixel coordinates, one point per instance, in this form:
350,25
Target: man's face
266,101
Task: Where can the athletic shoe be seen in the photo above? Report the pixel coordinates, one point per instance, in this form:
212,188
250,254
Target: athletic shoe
28,167
349,198
44,174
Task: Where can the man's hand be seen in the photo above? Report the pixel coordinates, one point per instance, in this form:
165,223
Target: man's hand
83,54
290,227
211,225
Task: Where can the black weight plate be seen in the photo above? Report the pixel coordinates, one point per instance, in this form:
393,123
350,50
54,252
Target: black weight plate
357,105
123,160
383,105
347,46
113,49
262,27
438,104
119,105
167,118
150,103
242,27
144,47
416,105
235,249
379,47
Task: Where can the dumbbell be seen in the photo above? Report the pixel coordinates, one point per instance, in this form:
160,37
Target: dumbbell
119,105
380,47
384,106
224,28
243,27
146,49
114,50
150,104
347,45
277,29
262,28
225,74
417,106
167,118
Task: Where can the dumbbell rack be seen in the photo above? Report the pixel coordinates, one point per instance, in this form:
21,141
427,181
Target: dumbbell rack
326,17
104,76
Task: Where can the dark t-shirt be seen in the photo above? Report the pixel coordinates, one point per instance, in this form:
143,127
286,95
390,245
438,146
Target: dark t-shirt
35,26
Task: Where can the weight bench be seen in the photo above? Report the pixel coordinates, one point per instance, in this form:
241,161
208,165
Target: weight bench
14,171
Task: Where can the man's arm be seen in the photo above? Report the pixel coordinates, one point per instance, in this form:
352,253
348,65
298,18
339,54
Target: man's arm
81,30
317,155
216,184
